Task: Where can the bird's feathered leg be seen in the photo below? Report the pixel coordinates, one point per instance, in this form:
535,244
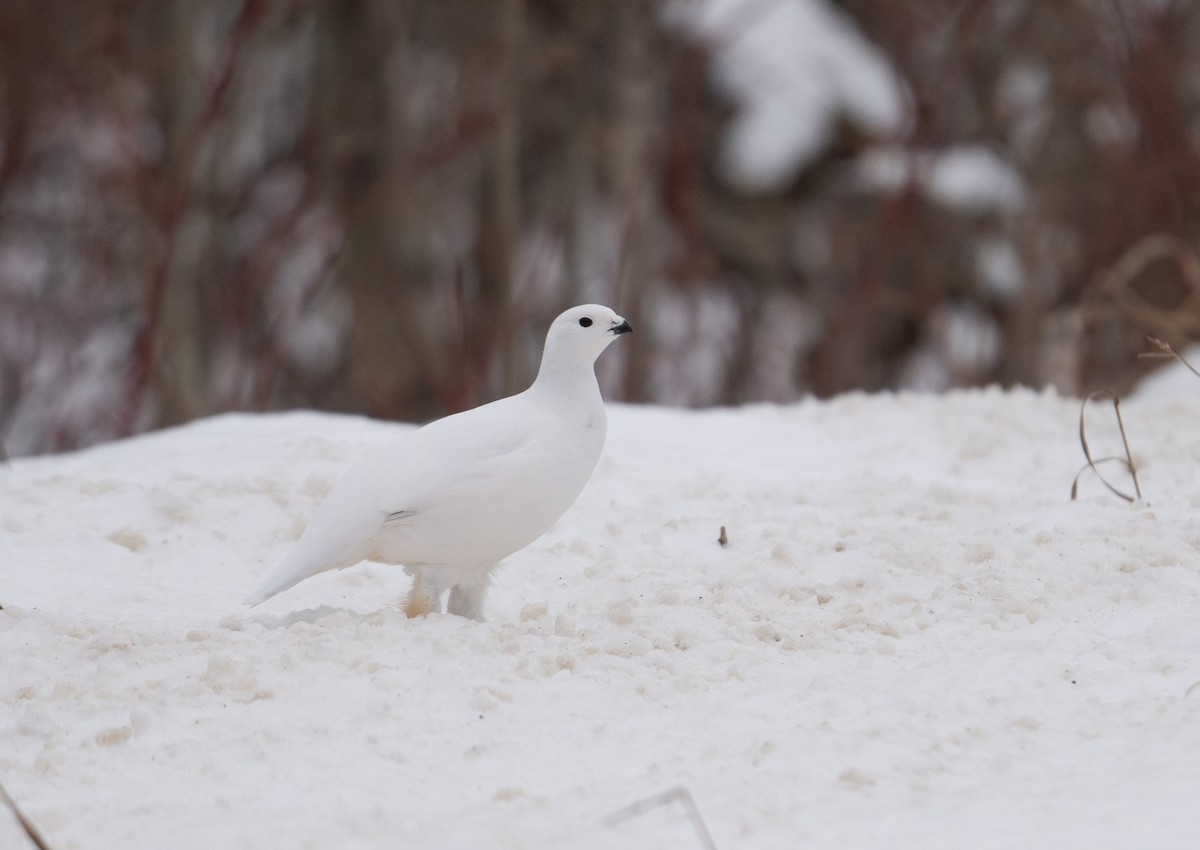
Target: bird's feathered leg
426,594
466,598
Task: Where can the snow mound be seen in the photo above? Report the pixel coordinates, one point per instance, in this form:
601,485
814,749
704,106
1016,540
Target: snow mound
913,639
794,68
970,179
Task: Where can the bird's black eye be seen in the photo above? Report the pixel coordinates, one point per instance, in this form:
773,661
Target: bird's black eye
585,322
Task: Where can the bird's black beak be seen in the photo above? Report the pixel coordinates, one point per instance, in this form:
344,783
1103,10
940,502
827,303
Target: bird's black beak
623,328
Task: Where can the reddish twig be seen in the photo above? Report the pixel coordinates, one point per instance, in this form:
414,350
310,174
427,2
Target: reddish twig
173,208
278,331
471,130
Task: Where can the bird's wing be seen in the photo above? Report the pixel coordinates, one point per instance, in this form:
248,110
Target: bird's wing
458,454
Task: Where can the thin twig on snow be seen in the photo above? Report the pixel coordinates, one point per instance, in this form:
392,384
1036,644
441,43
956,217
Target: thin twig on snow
680,793
1092,463
30,830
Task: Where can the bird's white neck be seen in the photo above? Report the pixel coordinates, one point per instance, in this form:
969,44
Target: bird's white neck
571,379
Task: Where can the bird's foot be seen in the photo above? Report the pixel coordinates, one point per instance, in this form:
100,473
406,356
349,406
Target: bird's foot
417,606
425,596
467,602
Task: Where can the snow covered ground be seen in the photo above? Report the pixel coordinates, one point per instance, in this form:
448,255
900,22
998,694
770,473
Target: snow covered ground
913,640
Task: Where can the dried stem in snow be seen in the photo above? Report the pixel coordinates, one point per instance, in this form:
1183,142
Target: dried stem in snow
667,797
31,831
1093,463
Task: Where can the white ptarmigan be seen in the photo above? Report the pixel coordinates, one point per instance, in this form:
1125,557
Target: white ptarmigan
451,499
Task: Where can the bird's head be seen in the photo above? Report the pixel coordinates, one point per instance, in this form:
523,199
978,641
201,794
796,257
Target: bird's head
585,331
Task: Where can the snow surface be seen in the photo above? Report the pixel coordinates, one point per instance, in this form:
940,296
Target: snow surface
913,640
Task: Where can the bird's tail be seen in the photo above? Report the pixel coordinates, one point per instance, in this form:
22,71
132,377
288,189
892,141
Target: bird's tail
327,544
333,539
280,580
312,554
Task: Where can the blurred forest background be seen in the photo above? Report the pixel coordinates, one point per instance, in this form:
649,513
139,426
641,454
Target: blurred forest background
378,205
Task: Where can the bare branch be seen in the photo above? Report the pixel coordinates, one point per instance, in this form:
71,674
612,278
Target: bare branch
172,213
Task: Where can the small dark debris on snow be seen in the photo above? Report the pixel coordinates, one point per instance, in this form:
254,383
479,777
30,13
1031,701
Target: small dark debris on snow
724,538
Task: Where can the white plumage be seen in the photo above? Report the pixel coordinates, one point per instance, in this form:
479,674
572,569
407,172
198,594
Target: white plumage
453,498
